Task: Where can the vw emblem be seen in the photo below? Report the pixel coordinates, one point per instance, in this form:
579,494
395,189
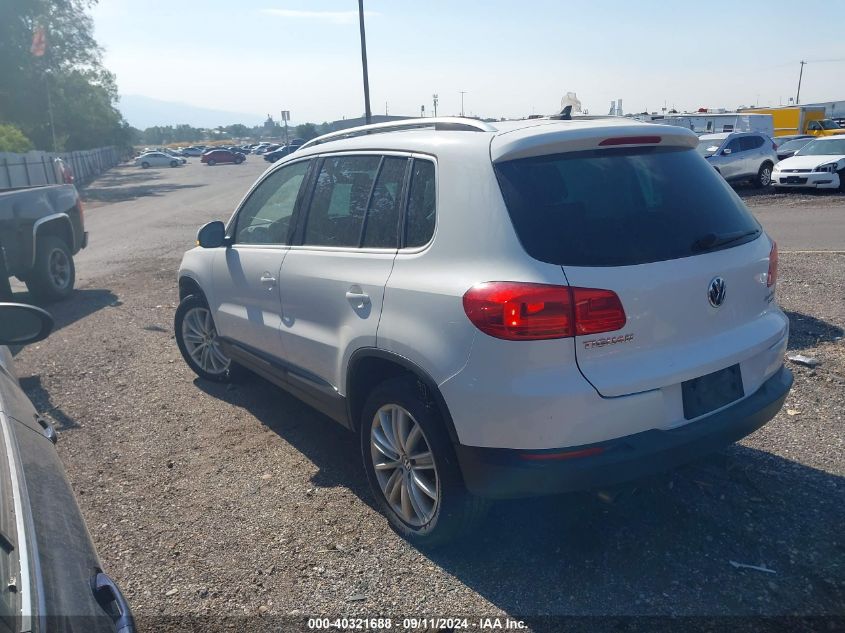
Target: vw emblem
716,292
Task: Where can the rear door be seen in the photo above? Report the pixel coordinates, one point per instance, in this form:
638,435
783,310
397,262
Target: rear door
245,301
332,283
627,220
753,155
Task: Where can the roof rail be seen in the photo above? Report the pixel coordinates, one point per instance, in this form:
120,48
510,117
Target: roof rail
438,123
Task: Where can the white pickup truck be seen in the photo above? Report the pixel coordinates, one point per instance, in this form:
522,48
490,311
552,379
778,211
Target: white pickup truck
41,229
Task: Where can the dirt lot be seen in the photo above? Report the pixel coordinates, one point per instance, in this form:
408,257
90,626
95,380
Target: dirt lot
207,500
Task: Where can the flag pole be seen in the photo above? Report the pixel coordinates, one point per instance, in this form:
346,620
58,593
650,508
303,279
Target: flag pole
50,108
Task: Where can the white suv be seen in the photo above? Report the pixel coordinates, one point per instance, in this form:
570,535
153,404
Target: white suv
498,311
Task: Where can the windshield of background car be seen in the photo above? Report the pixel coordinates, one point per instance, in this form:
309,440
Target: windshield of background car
794,144
826,147
827,124
619,207
708,148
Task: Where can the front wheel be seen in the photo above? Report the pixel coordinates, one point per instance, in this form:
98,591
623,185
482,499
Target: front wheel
54,273
841,174
145,165
196,337
238,161
211,162
174,163
764,176
412,468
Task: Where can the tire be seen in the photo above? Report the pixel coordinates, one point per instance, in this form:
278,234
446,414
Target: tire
841,174
192,320
53,275
764,176
239,160
416,515
211,162
145,165
174,163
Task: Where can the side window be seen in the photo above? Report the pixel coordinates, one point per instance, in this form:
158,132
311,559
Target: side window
734,146
419,221
266,215
340,199
381,226
751,142
727,127
814,126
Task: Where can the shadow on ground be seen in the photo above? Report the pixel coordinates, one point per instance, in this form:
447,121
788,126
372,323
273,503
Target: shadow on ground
808,331
123,185
662,546
43,403
80,304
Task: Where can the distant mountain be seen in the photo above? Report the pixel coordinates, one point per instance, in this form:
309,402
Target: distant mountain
143,112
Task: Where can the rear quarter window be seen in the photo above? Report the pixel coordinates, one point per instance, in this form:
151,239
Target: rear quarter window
619,207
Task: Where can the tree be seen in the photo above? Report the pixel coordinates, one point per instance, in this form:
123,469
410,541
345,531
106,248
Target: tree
13,140
306,131
82,91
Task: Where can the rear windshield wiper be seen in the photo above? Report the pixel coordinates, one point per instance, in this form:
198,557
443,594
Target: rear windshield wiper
712,240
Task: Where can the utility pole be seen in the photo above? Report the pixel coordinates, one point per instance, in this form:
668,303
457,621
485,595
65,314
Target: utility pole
463,92
50,109
422,111
367,113
800,75
434,98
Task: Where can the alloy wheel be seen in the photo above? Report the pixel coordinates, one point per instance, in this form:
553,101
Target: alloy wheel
59,268
404,465
200,337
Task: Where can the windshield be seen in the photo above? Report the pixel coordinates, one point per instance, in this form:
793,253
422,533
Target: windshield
620,207
823,147
794,144
708,148
827,124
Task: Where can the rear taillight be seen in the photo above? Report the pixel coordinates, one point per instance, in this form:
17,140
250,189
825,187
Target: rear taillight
772,277
517,311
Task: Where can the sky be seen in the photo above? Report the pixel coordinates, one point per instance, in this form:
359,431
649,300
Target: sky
512,58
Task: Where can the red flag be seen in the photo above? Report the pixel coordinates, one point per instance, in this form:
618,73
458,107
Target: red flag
39,41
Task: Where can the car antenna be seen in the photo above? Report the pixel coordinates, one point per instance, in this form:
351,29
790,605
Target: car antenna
565,114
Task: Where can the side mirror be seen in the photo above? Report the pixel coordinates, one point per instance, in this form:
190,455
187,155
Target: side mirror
212,235
21,324
726,151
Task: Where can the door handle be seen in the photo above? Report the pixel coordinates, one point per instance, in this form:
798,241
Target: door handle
358,298
267,280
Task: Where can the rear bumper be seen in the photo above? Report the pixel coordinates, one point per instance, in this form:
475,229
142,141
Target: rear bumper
507,473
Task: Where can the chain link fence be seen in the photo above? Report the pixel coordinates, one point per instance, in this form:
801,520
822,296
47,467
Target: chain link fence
40,168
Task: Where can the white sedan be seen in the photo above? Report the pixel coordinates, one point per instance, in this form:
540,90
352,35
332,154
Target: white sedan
157,159
820,164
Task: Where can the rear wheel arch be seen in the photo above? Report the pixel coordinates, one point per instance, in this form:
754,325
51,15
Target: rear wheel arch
60,227
370,367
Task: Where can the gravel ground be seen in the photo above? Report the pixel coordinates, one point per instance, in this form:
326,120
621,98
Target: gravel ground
208,500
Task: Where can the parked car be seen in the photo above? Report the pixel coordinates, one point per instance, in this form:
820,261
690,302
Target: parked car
263,149
281,152
214,156
788,145
174,154
192,151
157,159
41,229
740,156
498,310
52,577
820,164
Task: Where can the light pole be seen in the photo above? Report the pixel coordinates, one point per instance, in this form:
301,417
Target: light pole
434,98
367,113
463,92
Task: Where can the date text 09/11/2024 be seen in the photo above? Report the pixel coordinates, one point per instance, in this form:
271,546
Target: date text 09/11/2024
412,624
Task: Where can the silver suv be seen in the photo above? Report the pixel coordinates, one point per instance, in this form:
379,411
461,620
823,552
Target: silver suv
741,156
506,311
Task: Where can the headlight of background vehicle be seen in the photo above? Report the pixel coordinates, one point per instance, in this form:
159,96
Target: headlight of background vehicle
828,167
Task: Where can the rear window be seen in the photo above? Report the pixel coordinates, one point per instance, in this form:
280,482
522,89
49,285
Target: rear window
620,207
